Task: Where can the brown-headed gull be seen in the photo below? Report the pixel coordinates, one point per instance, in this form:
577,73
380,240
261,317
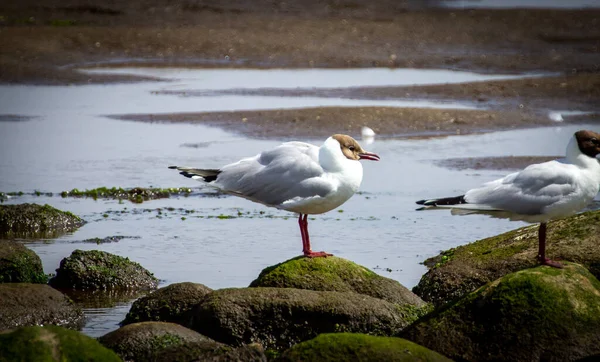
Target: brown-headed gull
540,192
294,176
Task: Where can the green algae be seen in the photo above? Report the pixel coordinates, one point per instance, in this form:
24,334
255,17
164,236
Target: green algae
358,347
135,195
52,344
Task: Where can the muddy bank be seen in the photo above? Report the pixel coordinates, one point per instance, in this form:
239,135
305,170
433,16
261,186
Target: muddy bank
325,121
493,163
579,92
42,42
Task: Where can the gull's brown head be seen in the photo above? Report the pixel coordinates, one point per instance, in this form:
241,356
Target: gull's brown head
588,142
352,150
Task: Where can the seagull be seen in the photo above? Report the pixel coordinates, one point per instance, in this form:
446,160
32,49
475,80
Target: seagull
294,176
540,192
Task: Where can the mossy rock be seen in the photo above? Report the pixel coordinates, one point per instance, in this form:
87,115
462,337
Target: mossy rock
538,314
359,347
51,344
463,269
94,269
142,341
32,220
19,264
334,274
23,304
167,304
211,351
278,318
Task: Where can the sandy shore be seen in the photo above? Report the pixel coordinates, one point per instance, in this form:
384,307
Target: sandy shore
45,42
325,121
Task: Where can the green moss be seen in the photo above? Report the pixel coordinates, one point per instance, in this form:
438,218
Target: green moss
165,340
135,195
19,264
541,310
334,274
52,343
301,272
359,347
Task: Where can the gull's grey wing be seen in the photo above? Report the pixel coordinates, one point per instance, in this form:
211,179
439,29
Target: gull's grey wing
289,171
529,191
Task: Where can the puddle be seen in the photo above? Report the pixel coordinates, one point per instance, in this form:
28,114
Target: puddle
221,79
71,145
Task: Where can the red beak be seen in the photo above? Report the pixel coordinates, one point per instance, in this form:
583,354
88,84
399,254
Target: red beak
368,156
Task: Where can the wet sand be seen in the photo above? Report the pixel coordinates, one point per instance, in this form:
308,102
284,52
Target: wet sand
493,163
44,43
579,92
325,121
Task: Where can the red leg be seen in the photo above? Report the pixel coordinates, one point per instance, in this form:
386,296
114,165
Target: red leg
542,248
304,246
303,221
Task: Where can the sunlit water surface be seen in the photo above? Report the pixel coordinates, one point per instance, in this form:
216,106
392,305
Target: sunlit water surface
71,144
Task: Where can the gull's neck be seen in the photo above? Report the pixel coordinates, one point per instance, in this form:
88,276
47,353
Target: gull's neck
331,157
576,157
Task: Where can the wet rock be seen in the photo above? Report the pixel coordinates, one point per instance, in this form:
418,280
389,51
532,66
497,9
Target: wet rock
359,347
24,304
539,314
94,269
168,304
461,270
52,343
32,220
278,318
211,351
101,298
334,274
18,264
142,341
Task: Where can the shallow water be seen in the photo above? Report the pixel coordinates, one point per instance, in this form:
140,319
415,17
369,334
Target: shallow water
70,144
221,79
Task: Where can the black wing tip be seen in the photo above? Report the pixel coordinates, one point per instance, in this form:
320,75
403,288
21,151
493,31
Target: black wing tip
454,200
173,167
188,174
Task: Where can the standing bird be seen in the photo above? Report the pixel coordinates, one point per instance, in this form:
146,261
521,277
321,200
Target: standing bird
294,176
541,192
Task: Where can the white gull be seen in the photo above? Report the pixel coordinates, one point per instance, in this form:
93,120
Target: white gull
541,192
294,176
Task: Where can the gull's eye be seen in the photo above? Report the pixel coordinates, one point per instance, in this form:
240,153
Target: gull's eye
595,141
351,148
